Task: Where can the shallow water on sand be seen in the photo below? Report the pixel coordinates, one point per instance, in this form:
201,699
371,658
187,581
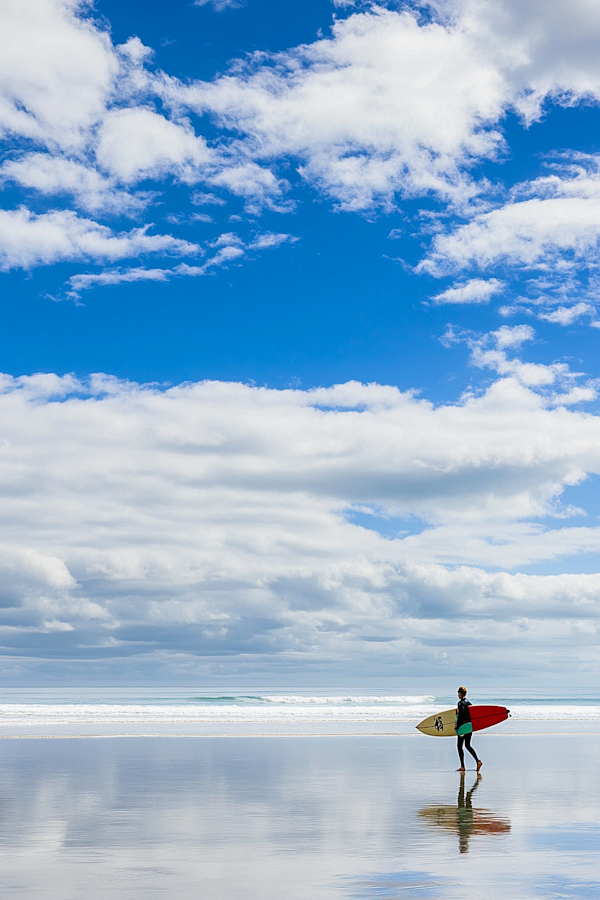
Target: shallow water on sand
343,818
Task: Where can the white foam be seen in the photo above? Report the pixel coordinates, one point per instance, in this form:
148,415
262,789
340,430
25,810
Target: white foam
334,709
320,701
97,712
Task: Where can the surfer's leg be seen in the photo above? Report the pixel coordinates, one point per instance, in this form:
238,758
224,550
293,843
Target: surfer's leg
461,753
471,751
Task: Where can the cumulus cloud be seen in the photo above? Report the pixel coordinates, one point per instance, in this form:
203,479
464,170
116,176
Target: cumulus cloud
51,175
567,315
546,48
557,224
268,240
384,105
395,103
512,336
258,186
57,70
213,518
84,281
217,518
137,143
529,233
27,240
389,102
90,106
476,290
557,382
544,235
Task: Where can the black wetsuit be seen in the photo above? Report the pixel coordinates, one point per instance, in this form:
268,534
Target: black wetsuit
462,717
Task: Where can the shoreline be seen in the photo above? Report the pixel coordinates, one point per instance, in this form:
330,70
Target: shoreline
105,734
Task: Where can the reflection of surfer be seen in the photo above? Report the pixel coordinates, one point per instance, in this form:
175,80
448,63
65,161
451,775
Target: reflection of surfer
465,819
462,819
464,729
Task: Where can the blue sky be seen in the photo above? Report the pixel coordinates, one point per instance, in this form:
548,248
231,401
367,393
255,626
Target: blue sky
337,265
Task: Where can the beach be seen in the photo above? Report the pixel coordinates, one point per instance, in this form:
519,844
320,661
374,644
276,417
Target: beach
336,818
296,815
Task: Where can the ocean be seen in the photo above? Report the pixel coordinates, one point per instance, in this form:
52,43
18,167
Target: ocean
72,712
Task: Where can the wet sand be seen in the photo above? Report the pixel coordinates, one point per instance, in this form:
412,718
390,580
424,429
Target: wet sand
340,817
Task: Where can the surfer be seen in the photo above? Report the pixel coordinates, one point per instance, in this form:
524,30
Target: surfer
464,729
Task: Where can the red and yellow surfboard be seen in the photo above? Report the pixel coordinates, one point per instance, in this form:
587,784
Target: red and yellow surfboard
442,724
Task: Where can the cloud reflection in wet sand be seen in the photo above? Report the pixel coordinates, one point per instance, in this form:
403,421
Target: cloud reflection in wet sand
341,818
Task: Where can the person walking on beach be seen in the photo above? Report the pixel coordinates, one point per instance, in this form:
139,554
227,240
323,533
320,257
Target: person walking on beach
464,729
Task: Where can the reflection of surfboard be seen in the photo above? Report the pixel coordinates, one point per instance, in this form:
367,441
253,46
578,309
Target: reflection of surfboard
465,822
442,724
475,821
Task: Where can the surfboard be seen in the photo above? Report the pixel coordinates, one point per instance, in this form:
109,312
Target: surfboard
442,724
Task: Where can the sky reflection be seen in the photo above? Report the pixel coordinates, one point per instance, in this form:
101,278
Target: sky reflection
331,818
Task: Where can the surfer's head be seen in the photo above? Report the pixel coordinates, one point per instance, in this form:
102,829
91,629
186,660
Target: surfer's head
462,692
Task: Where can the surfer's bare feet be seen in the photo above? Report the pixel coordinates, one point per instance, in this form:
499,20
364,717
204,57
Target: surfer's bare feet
462,769
479,764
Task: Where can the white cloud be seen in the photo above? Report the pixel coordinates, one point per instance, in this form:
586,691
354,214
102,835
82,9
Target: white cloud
555,381
55,175
138,143
57,70
85,281
566,315
544,47
200,198
476,290
27,240
557,225
221,5
388,103
384,105
470,591
527,233
210,518
391,103
513,336
258,186
229,248
395,234
89,107
546,234
269,240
